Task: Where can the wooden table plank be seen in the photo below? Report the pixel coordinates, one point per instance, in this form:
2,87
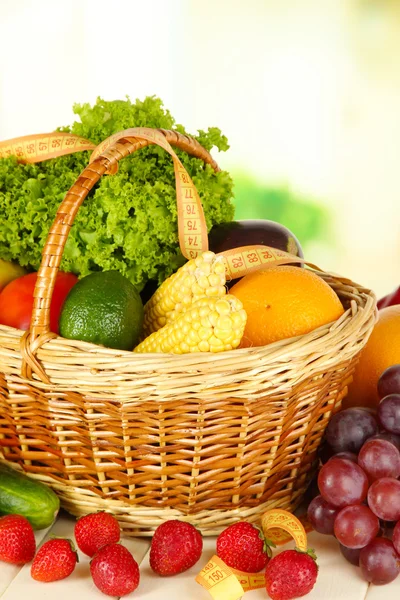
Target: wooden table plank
389,592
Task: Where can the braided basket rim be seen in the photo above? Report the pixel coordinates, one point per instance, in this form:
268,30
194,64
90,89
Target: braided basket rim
354,323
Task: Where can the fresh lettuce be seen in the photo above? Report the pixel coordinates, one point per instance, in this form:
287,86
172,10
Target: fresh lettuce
129,221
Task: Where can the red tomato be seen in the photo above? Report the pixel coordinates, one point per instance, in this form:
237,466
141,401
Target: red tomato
16,300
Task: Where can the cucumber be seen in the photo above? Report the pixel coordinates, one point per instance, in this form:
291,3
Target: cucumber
19,494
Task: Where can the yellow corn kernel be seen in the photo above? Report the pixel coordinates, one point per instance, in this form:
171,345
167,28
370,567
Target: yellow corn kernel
209,325
201,276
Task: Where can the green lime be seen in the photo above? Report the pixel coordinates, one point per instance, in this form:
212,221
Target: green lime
103,308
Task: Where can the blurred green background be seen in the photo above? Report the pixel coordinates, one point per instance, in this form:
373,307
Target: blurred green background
307,218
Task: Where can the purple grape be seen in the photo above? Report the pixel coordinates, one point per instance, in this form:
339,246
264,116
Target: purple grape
384,498
349,429
389,413
322,515
396,537
352,555
356,526
379,562
379,458
347,455
389,381
389,437
342,483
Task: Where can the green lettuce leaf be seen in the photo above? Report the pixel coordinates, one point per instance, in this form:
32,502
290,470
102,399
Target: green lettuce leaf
128,221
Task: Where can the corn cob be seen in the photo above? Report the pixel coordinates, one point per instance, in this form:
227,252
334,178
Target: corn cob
201,276
209,325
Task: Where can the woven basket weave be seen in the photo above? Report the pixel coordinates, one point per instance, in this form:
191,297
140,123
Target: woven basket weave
205,438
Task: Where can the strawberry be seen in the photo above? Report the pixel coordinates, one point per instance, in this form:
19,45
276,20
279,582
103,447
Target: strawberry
96,530
291,574
243,546
114,570
17,540
176,546
55,559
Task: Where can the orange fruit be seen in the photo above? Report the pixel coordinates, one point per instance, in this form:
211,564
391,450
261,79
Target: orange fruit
283,302
381,351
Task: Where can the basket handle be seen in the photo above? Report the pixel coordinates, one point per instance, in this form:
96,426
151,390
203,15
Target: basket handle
104,160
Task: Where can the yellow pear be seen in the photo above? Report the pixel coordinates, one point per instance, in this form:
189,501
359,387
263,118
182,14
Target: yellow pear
9,271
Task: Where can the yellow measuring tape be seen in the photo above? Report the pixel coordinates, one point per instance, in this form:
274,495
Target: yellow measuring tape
243,260
192,228
36,148
280,525
225,583
219,580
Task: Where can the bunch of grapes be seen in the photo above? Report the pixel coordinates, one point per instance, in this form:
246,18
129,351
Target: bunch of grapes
359,486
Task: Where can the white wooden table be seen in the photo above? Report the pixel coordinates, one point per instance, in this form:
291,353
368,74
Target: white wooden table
337,578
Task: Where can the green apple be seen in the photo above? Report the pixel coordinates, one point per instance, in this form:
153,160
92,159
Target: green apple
9,271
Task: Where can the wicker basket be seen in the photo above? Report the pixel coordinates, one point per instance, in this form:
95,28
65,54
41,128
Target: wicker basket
207,439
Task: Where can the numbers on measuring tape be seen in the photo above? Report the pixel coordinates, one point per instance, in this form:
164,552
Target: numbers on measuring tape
192,240
216,575
240,261
214,572
191,225
209,566
35,148
225,583
234,264
220,580
252,257
184,177
237,262
190,209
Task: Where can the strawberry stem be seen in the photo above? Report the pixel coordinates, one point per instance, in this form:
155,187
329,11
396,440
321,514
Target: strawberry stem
309,551
268,544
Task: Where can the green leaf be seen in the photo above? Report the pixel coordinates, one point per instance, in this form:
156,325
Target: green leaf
128,222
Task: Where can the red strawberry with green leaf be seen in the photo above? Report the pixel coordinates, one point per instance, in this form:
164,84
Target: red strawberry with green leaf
176,546
55,559
243,546
17,540
96,530
291,574
114,570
